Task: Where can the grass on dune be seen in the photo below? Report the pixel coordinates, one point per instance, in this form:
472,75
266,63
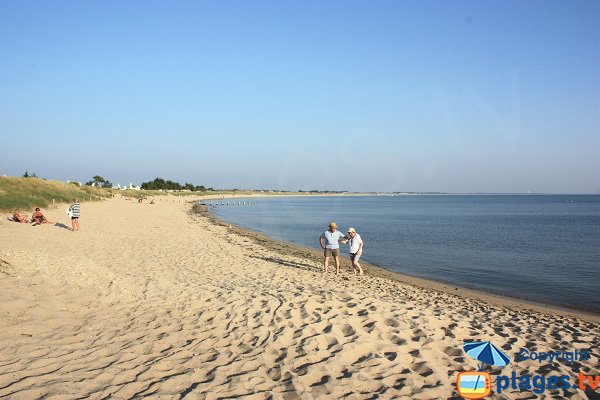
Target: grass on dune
136,194
27,193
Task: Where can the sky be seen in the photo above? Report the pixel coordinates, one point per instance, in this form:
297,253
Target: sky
448,96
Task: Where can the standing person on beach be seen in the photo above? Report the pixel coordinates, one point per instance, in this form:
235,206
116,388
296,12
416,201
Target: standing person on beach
330,242
75,213
355,244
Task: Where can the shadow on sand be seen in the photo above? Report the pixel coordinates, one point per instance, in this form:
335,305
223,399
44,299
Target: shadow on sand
305,267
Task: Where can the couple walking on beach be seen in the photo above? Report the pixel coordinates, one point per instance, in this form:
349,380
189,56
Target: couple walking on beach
330,242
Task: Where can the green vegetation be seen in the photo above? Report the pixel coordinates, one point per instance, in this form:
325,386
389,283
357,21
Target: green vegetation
161,184
136,194
99,181
28,175
27,193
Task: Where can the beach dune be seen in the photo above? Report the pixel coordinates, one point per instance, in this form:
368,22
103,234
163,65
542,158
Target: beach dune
156,301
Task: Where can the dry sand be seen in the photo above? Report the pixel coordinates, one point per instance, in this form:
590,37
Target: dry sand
153,301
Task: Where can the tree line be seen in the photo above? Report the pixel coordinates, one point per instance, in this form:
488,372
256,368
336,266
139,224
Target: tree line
161,184
156,184
99,181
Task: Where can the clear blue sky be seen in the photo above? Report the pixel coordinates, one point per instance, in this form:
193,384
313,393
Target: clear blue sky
478,96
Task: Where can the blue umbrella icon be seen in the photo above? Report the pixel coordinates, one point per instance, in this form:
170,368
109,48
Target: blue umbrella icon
487,353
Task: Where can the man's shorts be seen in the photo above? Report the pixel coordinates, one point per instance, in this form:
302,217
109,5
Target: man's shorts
355,256
332,252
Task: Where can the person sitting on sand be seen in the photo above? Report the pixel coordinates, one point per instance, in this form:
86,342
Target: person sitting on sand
355,245
330,242
39,218
18,217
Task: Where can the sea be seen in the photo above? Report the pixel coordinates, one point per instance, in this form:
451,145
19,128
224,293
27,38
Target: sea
541,248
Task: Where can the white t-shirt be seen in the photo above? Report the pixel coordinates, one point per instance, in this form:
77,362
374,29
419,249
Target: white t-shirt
355,243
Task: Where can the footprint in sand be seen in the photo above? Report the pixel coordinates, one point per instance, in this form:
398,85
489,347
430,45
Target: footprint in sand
348,330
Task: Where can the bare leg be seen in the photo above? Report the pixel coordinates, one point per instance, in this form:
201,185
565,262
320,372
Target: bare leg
357,266
326,264
337,265
77,224
72,225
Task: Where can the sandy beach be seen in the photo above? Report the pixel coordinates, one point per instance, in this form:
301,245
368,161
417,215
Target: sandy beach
156,301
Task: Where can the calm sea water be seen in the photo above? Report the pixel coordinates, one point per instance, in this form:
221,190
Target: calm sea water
535,247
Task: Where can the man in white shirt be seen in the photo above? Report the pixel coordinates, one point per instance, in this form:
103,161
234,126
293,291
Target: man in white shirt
330,242
355,244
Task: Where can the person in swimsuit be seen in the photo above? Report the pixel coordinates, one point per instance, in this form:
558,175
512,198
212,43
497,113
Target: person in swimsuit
18,217
39,218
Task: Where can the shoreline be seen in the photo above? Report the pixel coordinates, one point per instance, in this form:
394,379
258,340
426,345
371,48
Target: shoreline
381,272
